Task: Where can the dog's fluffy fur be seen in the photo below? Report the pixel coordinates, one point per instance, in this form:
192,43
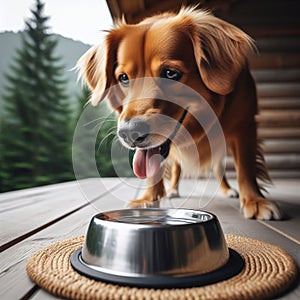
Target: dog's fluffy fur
209,56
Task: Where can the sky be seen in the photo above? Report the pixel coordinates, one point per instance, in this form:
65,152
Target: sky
81,20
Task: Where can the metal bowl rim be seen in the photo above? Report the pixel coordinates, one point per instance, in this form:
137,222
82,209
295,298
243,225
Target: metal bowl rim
154,226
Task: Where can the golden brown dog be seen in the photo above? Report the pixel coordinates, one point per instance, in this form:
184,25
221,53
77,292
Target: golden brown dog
209,56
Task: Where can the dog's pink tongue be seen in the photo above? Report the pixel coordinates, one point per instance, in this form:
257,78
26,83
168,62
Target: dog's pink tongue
146,163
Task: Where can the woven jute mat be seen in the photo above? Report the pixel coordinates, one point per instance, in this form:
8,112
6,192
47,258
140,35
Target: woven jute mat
268,271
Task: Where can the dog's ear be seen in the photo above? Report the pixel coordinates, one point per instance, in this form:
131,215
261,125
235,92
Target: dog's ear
221,51
92,70
96,68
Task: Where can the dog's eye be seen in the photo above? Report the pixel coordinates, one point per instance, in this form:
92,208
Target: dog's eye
171,74
124,80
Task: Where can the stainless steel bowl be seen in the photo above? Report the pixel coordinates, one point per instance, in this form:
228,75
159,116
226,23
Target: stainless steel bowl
150,245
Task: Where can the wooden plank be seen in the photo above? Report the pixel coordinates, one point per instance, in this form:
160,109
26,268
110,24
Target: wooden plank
275,60
286,89
154,8
286,44
286,193
266,31
275,118
227,211
279,133
281,146
285,174
48,207
30,192
43,295
276,75
14,281
13,200
274,174
231,220
281,103
130,7
205,195
114,9
265,13
275,161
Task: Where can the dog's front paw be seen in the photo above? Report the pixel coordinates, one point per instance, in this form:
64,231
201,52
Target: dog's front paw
173,193
148,199
261,209
232,193
143,203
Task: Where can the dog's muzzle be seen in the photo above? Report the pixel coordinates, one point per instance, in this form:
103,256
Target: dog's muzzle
147,160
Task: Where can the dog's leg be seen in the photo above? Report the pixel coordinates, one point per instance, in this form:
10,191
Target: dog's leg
244,150
219,170
174,180
155,191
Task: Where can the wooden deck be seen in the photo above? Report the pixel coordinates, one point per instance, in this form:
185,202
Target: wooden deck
31,219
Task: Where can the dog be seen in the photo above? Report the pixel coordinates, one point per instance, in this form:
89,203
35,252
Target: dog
193,49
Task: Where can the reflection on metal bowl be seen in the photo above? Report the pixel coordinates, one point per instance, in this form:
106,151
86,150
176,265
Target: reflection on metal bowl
153,247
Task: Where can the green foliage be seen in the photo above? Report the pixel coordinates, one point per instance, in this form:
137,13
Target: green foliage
96,149
35,130
68,49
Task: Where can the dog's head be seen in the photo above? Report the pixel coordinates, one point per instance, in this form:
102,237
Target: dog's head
142,69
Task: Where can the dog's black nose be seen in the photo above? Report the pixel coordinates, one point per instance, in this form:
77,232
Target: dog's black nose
134,131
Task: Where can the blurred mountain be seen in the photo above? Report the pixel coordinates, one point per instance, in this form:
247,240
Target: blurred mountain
68,49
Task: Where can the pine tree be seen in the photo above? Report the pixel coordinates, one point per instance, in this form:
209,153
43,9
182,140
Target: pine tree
35,130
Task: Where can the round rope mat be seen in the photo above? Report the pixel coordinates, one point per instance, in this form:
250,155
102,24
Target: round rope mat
268,271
